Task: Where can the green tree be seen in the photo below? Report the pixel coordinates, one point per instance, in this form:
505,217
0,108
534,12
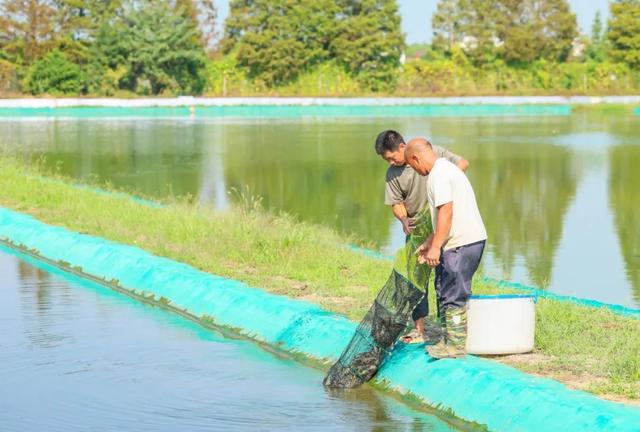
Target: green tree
469,24
153,44
207,17
54,74
624,32
535,29
596,29
26,28
277,40
596,45
369,41
514,30
77,22
203,15
446,23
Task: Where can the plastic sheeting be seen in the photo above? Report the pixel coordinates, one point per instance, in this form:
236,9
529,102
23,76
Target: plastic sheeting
474,389
183,101
285,111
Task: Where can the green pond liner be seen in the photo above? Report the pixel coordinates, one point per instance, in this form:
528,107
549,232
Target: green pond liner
535,291
289,111
473,389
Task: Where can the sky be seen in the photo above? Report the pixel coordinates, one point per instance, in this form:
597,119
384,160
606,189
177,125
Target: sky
416,15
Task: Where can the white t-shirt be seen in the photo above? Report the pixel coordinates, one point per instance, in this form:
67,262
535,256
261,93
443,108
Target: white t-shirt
447,183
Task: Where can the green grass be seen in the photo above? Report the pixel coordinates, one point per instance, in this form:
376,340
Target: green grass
587,348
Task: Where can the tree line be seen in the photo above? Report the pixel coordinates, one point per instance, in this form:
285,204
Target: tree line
314,47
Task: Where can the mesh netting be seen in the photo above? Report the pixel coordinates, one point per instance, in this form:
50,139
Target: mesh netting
387,317
379,329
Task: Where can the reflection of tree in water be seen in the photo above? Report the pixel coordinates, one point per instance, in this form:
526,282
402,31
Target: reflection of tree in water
323,173
153,157
380,413
38,281
40,312
523,184
624,198
523,196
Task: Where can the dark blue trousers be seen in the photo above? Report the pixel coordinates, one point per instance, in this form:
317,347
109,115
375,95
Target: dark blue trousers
454,274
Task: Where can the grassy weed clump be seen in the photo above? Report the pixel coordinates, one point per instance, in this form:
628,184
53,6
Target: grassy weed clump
587,348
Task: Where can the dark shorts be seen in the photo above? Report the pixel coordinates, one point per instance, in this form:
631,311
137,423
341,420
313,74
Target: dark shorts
422,310
454,274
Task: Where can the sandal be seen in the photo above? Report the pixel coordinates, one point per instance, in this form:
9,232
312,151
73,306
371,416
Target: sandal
413,337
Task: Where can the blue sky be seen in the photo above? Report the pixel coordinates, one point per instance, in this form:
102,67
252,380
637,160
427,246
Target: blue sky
416,15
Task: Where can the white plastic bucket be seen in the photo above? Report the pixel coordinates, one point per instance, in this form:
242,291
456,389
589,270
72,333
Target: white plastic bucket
501,324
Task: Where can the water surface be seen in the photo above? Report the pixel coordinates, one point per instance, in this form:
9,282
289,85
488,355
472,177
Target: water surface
559,194
77,357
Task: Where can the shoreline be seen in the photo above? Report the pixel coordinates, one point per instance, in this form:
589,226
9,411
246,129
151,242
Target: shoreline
191,101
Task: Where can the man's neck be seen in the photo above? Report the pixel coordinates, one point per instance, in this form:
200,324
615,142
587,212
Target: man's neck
430,160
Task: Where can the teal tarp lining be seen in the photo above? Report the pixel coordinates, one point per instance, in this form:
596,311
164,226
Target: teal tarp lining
474,389
291,111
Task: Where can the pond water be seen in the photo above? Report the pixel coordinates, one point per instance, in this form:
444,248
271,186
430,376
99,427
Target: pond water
77,357
559,193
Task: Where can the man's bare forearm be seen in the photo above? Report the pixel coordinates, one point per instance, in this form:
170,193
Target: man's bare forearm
443,225
399,211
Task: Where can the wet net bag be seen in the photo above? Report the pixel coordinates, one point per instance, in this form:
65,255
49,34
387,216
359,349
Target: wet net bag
379,329
387,317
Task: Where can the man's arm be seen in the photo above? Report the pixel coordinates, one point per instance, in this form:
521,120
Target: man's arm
455,159
443,226
463,164
429,252
394,197
400,212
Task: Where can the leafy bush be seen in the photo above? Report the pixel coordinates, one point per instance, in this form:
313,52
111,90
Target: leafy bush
225,78
54,74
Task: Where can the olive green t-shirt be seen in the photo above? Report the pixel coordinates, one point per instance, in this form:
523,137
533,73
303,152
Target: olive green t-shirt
404,185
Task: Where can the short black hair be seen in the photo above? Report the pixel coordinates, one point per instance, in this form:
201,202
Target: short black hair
388,140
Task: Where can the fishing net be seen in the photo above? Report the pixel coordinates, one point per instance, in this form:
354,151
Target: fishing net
389,315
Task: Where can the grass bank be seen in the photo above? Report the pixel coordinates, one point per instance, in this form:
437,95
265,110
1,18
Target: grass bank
586,348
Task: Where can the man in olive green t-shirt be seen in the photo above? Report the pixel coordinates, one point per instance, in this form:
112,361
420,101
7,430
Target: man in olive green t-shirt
406,193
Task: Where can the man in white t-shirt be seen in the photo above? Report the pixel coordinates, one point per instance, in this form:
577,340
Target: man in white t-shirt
406,192
456,246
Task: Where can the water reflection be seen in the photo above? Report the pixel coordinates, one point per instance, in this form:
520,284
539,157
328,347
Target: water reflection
624,199
531,175
95,360
523,196
35,282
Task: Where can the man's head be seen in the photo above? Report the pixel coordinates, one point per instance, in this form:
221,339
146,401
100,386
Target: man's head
390,145
419,154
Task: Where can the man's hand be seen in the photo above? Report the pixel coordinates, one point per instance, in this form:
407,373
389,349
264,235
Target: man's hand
433,257
428,253
422,250
407,225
